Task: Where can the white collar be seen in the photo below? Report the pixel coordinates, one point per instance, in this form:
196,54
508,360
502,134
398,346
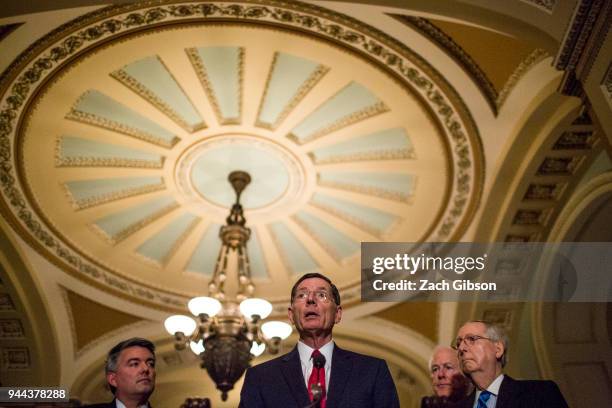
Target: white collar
305,352
120,404
493,388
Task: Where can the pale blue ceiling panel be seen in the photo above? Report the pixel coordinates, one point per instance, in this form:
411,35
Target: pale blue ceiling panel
290,79
88,193
370,219
117,226
351,104
205,255
220,72
80,152
160,247
295,256
256,257
96,108
390,144
337,244
150,78
394,186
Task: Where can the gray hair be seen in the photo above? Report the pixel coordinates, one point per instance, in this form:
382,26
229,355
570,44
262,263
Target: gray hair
435,350
113,355
496,333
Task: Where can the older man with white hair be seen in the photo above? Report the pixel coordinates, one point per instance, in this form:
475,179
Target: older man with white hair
482,349
450,387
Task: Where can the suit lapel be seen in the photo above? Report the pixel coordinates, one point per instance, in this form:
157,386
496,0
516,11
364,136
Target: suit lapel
292,370
469,401
506,393
342,365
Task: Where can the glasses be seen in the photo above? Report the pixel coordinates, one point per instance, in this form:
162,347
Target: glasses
469,340
319,295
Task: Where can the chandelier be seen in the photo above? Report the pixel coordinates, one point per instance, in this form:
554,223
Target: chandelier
229,331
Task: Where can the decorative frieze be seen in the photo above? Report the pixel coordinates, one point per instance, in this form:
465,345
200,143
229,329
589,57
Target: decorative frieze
11,329
511,238
546,5
544,191
555,166
16,358
530,217
574,140
6,303
501,317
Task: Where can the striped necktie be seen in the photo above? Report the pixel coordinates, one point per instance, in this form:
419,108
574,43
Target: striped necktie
482,400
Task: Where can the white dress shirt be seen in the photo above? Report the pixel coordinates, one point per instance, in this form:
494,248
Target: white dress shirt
120,404
306,359
493,388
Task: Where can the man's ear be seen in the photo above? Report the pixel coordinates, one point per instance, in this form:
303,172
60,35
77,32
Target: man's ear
499,349
290,314
111,378
338,314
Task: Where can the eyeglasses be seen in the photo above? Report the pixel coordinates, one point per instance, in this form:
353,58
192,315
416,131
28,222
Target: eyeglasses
469,340
319,295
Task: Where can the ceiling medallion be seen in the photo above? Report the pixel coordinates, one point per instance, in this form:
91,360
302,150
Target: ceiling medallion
23,86
279,175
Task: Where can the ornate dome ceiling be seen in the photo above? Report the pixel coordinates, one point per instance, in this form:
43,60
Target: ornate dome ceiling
127,122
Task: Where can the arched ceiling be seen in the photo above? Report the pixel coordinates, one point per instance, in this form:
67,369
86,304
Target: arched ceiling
131,118
357,122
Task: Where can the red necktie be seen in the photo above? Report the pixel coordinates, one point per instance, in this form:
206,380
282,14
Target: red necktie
317,377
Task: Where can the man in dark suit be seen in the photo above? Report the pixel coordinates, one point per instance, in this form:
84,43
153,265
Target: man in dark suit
317,372
130,374
482,349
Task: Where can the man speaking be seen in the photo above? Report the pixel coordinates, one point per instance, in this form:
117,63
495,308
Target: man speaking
318,373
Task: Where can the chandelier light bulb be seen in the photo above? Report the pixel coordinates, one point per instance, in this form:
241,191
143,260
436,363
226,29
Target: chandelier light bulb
197,348
257,349
180,323
255,306
278,329
204,304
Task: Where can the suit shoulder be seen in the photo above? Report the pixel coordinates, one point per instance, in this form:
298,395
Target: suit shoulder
266,365
363,357
537,384
545,393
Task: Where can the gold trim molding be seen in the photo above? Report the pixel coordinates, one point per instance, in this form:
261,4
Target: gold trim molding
148,95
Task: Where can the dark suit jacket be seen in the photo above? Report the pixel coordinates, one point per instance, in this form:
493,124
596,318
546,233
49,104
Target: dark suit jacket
357,381
104,405
527,394
434,402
